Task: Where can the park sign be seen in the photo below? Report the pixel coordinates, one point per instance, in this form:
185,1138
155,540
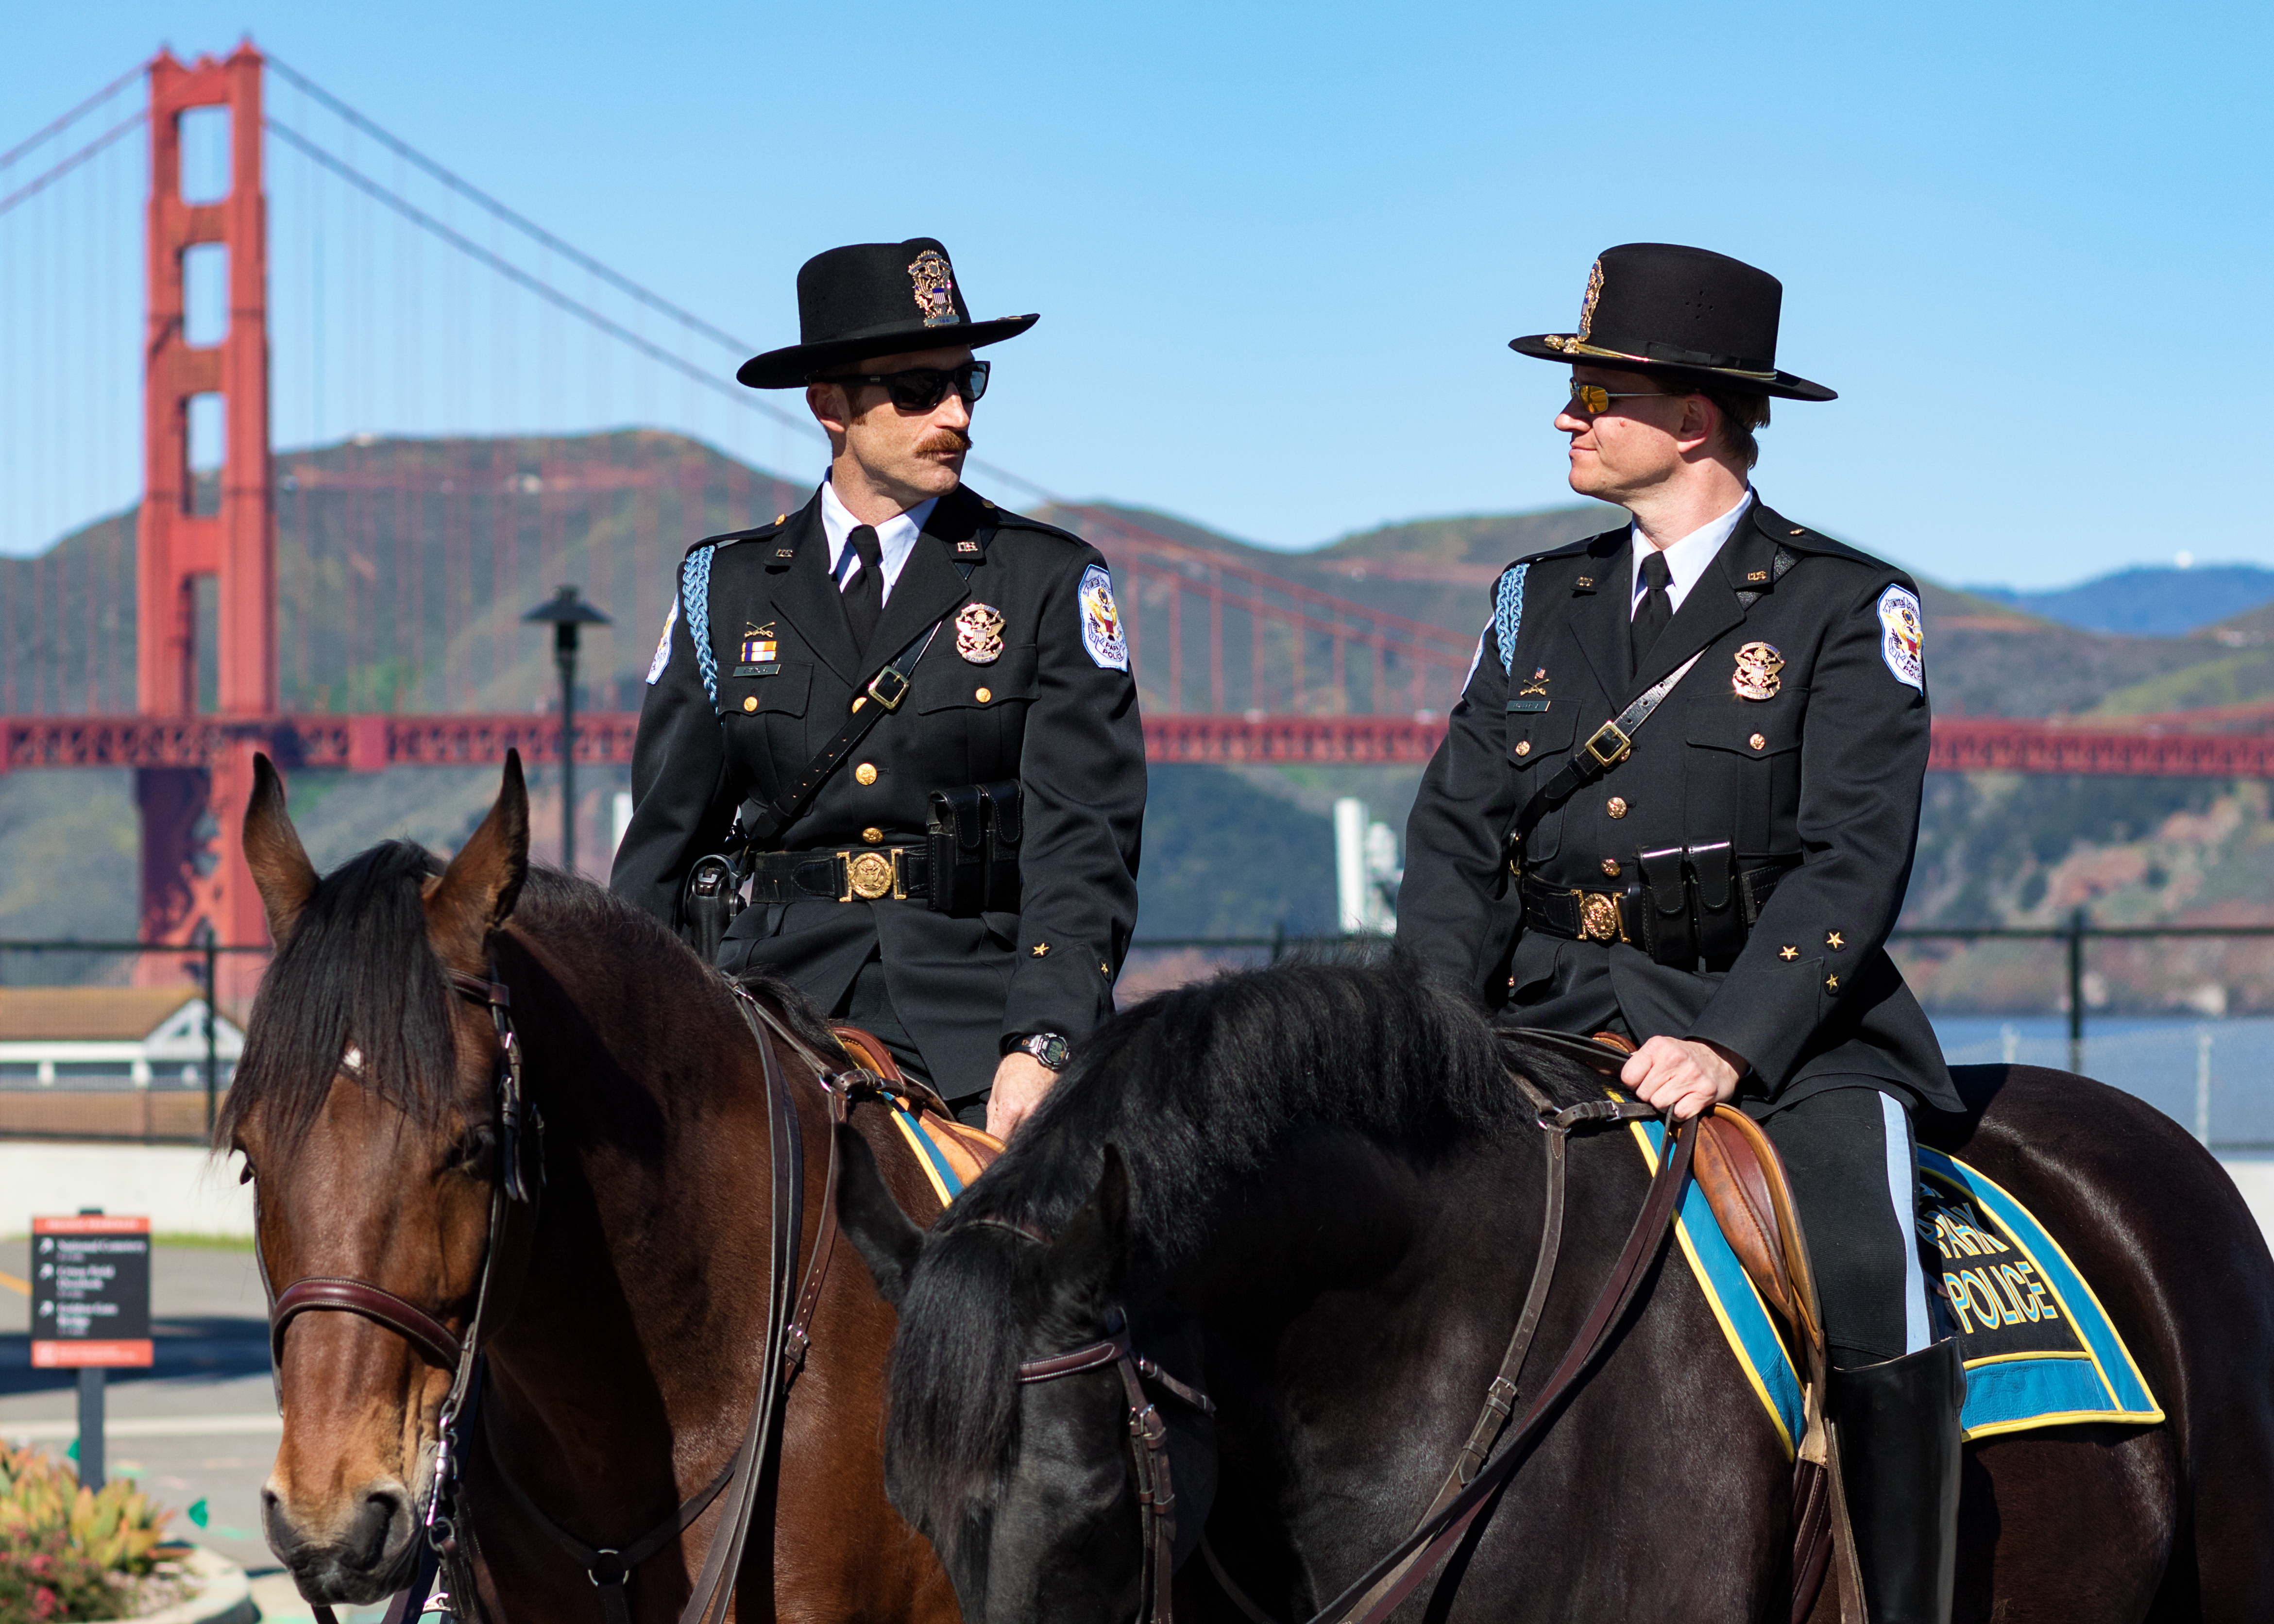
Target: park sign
90,1292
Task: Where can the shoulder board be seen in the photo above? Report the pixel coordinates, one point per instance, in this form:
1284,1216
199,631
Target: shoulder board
1003,518
1800,538
727,539
1570,549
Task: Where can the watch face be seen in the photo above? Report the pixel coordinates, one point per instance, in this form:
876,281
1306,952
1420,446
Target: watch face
1051,1049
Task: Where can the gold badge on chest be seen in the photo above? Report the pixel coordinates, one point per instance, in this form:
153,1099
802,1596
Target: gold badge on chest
1756,677
979,633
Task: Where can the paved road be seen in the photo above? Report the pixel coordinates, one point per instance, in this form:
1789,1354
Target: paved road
200,1428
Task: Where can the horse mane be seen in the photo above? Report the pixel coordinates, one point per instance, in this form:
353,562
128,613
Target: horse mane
1199,1088
357,972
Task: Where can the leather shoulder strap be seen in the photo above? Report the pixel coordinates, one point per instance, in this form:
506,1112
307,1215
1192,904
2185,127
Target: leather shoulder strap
884,690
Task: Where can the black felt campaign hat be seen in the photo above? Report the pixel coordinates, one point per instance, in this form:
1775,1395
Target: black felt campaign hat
1658,307
874,300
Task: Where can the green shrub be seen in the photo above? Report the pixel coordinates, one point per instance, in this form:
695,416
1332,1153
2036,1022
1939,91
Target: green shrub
68,1552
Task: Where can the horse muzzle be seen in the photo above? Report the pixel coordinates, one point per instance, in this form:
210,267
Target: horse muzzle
361,1554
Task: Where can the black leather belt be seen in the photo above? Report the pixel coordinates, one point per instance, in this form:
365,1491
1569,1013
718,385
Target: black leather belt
856,874
1582,913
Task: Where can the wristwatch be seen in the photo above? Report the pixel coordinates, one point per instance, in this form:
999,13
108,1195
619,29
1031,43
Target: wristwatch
1050,1047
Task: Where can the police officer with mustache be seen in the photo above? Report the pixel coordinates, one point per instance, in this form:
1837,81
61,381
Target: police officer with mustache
903,715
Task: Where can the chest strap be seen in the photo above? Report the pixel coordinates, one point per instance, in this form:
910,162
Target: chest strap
1600,751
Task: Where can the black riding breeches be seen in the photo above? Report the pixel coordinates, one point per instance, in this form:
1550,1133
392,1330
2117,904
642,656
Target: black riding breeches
1853,1170
868,1004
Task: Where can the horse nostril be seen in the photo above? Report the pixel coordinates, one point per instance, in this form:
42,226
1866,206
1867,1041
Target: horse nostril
375,1523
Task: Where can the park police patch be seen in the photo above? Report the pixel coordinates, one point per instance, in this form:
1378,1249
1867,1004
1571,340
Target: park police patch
1902,636
663,646
1101,621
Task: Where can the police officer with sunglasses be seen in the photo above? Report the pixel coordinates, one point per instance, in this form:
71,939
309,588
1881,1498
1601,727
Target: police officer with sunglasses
1678,802
900,723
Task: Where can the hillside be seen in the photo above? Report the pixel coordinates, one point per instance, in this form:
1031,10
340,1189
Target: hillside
2162,601
385,544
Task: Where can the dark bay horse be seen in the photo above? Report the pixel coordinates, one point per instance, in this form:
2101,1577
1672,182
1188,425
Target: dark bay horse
624,1354
1316,1195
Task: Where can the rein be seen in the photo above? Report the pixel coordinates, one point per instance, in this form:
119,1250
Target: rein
1477,1474
1148,1439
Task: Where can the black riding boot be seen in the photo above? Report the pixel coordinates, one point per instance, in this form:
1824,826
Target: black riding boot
1898,1456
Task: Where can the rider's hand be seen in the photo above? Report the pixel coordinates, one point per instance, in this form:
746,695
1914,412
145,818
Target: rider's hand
1680,1076
1021,1082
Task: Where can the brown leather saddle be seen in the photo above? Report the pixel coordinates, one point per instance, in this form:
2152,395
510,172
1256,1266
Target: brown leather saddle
1740,1174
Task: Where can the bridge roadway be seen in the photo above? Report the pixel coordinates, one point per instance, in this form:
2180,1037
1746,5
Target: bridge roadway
369,743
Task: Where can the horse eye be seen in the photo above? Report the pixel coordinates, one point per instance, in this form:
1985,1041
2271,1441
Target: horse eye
475,1147
244,1176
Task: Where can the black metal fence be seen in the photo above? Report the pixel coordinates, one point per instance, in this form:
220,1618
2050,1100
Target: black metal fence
66,1098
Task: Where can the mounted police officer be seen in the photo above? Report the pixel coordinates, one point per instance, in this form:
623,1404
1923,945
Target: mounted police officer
904,715
1679,801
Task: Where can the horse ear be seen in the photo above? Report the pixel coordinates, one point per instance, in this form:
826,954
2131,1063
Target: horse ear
1094,1247
281,870
888,1243
476,894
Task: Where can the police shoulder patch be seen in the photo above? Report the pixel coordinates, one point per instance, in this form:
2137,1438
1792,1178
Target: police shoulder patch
1101,621
663,645
1902,636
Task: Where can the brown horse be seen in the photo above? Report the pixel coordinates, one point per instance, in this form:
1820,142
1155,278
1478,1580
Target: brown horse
623,1335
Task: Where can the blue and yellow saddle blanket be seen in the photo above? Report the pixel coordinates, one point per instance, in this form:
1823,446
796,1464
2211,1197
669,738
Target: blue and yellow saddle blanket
2039,1349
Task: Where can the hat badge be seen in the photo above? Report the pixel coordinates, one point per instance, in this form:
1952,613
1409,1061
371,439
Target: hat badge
1587,306
935,288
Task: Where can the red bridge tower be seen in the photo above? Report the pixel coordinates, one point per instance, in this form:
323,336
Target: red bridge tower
194,878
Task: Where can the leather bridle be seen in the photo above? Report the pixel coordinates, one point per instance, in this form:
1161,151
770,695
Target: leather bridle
1478,1474
447,1547
1149,1442
519,1182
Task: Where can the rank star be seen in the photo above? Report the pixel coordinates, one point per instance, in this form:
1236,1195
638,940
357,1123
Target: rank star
1788,952
1834,940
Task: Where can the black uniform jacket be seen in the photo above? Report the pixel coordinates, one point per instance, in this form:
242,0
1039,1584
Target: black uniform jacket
1828,770
1044,711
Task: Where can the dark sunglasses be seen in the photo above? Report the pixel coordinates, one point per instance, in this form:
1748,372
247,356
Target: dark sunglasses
923,388
1594,399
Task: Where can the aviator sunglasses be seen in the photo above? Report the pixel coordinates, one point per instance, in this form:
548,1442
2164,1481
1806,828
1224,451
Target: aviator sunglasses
923,388
1594,400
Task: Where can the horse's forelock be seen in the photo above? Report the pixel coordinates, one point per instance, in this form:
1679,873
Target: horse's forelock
357,973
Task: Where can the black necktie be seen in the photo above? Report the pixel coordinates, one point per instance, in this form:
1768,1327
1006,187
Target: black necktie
1655,610
864,593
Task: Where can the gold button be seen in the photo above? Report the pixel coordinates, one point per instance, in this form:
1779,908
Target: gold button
984,694
1611,867
751,703
873,836
865,773
1524,746
1757,742
1617,806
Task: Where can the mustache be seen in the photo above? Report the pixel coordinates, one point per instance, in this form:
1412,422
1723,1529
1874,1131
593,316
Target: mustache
944,440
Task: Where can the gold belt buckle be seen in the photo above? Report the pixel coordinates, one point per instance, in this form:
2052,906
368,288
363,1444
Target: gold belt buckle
1599,916
871,875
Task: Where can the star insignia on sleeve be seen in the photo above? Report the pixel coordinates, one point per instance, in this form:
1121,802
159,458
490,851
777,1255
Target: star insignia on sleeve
1834,940
1788,952
1831,983
1040,948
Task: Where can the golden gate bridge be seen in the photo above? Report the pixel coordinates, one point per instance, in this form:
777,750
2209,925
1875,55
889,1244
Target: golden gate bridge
374,639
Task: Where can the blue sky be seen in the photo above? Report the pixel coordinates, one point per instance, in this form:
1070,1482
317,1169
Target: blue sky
1279,249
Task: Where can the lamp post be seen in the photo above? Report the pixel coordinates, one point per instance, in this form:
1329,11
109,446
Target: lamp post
566,611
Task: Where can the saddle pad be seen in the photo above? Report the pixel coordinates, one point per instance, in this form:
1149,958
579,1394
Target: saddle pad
951,1154
2039,1349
